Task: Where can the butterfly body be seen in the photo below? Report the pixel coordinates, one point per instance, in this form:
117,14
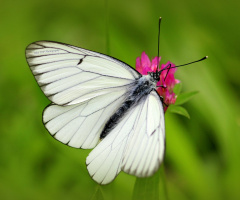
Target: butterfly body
137,92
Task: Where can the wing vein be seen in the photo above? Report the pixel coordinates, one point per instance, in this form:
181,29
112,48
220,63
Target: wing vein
34,65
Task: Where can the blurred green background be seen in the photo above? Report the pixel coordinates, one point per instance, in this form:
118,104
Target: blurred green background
203,154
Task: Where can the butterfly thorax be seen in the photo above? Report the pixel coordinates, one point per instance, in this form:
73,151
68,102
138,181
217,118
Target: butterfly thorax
137,92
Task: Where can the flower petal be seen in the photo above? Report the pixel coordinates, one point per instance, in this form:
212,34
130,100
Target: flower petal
155,63
139,65
146,63
177,81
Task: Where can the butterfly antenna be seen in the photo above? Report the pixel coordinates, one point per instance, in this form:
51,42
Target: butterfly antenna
192,62
159,23
168,68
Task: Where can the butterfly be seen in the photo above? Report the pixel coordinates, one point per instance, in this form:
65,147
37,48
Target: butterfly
100,102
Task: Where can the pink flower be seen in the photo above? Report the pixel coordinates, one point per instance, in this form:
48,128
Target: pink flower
167,79
144,65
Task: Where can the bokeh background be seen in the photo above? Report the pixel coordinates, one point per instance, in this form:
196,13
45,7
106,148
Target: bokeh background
203,153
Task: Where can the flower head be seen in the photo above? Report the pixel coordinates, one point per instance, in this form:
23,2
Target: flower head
167,80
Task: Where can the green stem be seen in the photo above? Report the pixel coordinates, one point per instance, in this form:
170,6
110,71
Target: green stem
147,188
163,185
107,28
151,188
98,195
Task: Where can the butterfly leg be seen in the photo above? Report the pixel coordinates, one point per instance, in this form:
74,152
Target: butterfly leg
163,101
161,86
161,96
167,71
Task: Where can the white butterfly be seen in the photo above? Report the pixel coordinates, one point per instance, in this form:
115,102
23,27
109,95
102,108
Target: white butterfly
98,98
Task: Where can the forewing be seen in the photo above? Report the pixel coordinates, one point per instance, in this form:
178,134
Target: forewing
80,125
70,75
136,145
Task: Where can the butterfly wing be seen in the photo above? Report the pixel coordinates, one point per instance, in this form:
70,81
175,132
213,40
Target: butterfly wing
69,75
136,145
80,125
85,87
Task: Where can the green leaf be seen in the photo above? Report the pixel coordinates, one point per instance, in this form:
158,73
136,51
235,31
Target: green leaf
177,88
184,97
179,110
147,188
98,194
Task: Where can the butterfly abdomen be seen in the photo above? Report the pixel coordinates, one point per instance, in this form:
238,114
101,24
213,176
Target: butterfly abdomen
115,118
141,89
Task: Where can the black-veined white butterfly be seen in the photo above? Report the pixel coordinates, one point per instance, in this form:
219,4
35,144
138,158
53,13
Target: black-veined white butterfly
99,101
96,96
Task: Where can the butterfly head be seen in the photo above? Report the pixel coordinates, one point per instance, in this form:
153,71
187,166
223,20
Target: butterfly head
155,76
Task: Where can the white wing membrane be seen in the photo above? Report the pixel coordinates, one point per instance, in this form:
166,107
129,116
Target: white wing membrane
70,75
80,125
132,146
